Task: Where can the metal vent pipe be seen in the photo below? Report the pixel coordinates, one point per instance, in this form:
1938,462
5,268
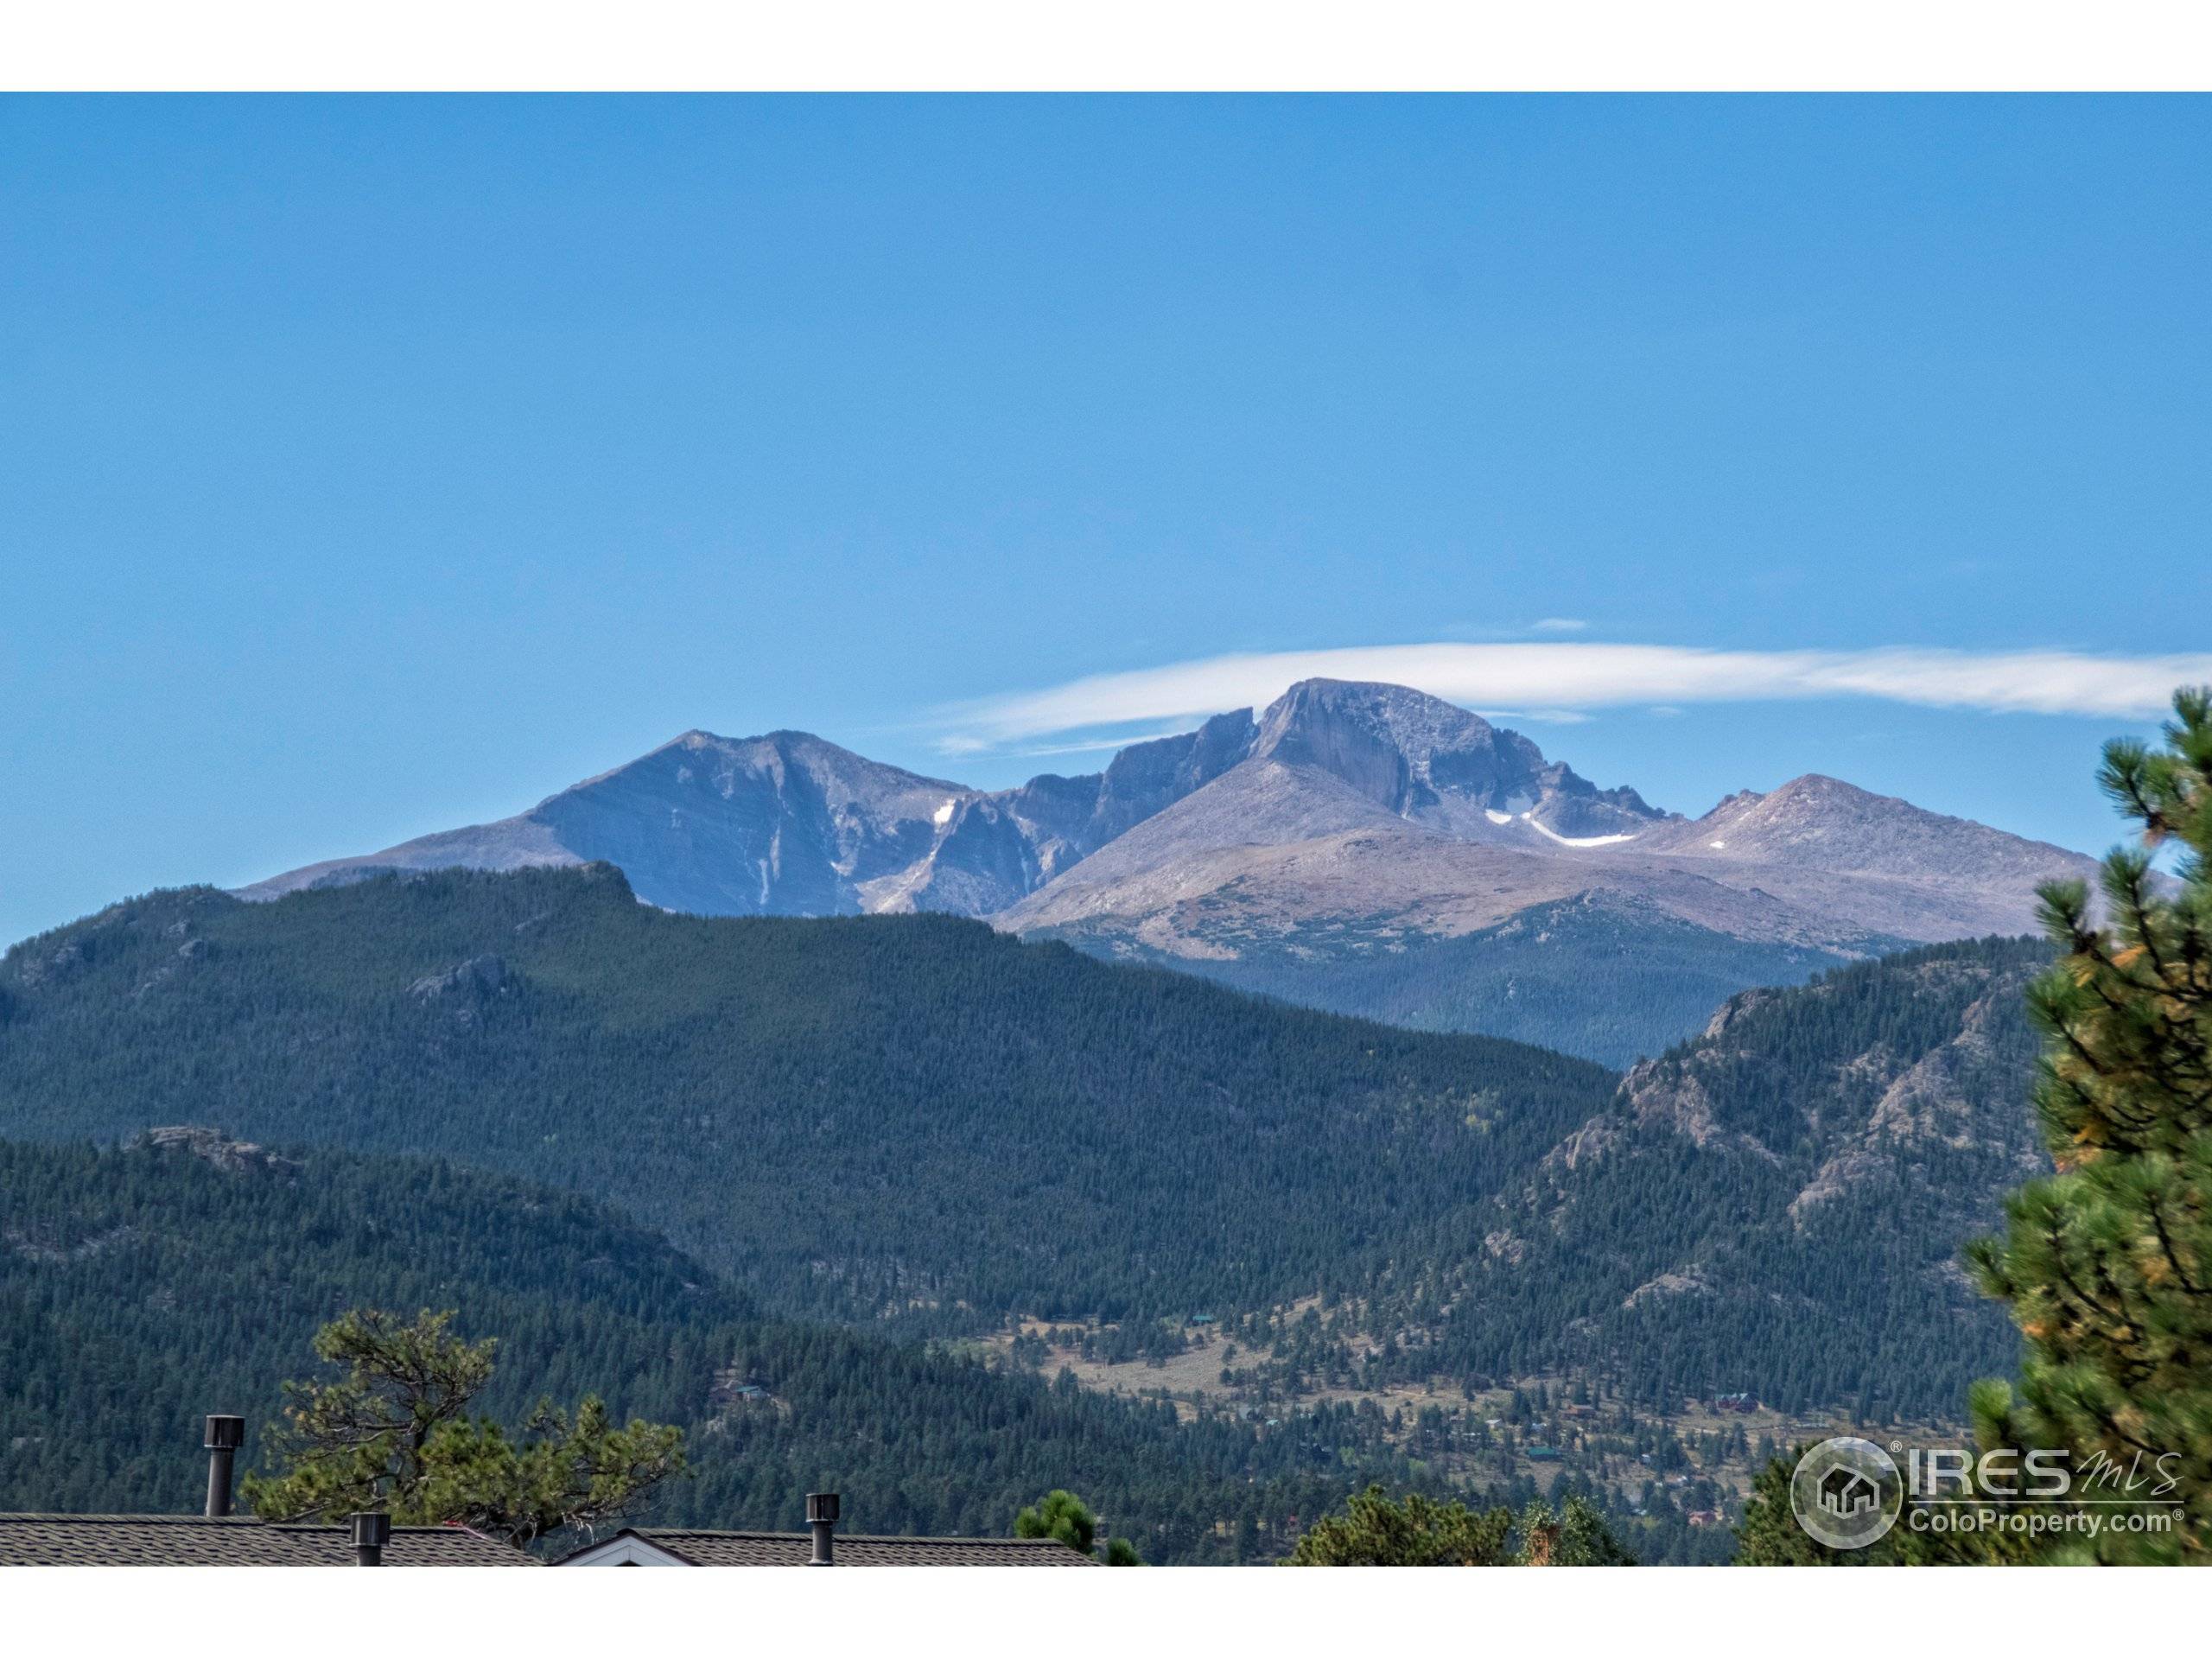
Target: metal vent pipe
372,1532
822,1521
225,1435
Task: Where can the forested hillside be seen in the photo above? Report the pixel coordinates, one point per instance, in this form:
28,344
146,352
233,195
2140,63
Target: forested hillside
919,1125
1776,1208
141,1288
1603,977
907,1117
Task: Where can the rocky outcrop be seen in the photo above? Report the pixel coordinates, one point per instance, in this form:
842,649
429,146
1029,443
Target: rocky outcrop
1783,1201
36,969
45,1251
478,974
214,1146
1739,1007
1684,1282
1964,1095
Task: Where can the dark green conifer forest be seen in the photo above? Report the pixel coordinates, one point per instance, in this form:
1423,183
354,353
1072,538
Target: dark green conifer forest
141,1288
905,1118
875,1145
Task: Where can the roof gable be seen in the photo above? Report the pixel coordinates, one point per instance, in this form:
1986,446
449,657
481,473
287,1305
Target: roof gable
694,1547
628,1548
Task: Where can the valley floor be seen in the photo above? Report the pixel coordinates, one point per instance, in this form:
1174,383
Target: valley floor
1675,1480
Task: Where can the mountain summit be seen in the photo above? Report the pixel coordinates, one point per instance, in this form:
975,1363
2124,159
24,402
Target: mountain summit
788,825
781,824
1433,764
1292,850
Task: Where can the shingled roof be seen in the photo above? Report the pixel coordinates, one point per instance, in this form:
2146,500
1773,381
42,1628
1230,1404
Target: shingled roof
695,1547
232,1541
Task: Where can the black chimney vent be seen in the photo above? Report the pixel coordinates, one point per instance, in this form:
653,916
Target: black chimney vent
822,1521
225,1435
372,1532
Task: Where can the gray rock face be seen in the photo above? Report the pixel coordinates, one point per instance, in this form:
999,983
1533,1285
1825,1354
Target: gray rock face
1148,777
782,824
1424,760
1369,807
214,1146
1870,1111
1341,802
789,825
477,974
785,824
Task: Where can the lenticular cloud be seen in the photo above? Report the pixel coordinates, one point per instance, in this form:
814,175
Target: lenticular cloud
1575,676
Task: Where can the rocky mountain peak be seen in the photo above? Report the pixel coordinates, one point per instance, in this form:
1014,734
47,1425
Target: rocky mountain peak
1437,764
1401,748
1145,776
1464,823
1319,713
1818,822
1736,803
1818,789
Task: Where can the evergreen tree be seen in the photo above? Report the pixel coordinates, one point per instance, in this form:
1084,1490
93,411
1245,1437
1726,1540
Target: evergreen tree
1576,1535
1421,1531
1060,1514
1375,1531
1768,1535
395,1433
2107,1265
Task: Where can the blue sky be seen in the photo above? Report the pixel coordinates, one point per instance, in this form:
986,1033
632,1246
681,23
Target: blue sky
372,467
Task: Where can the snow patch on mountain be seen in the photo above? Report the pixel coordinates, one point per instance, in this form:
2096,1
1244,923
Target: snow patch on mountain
1576,841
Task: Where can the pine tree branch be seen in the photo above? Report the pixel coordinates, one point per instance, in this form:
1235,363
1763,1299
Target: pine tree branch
2166,1244
2055,1236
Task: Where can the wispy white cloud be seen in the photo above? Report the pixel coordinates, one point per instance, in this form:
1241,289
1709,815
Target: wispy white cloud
958,743
1558,624
1539,716
1566,679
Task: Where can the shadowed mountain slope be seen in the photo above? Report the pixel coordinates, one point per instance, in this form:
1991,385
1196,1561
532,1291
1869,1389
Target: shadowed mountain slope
908,1117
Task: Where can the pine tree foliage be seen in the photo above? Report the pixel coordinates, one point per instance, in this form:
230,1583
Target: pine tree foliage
2107,1265
1060,1514
394,1433
142,1287
1576,1535
1768,1536
1376,1529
